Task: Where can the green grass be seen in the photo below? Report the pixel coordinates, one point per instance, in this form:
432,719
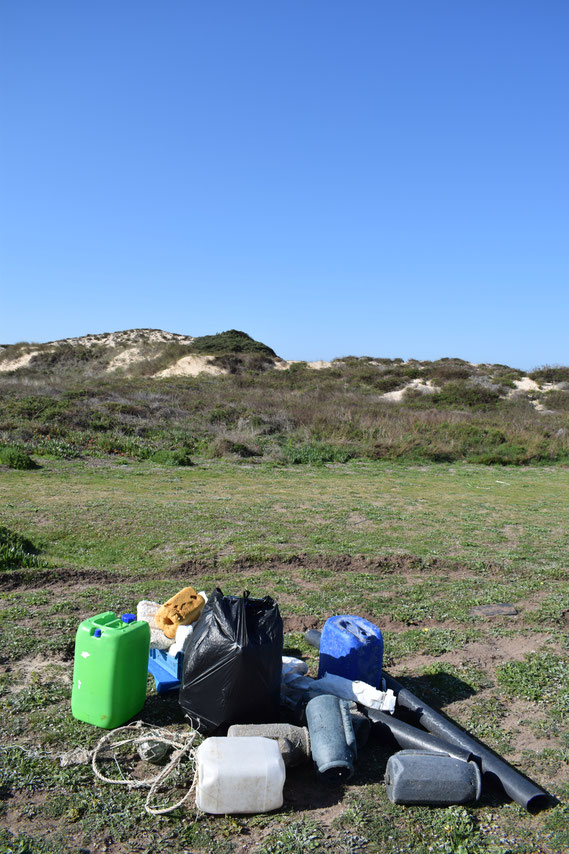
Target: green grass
15,458
411,547
215,509
16,551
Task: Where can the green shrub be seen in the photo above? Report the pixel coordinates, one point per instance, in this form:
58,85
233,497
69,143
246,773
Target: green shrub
243,450
450,372
57,448
550,374
39,407
513,454
180,457
15,458
16,551
228,415
316,453
231,341
239,363
114,443
460,394
557,400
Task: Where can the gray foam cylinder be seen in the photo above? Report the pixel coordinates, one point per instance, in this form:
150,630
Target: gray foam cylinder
332,738
433,779
293,741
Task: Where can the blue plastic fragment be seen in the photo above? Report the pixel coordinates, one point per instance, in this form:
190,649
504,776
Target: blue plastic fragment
166,669
128,618
351,647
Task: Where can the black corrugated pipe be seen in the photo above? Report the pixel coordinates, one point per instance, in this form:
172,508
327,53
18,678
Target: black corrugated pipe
517,787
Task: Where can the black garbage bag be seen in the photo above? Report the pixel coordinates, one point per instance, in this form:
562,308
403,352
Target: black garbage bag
233,663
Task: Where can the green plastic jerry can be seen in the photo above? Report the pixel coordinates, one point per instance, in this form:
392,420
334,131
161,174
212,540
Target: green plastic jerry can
109,672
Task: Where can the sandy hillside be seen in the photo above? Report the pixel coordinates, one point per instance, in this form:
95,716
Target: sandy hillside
160,354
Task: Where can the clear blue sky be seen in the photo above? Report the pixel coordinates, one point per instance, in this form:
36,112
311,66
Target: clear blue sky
333,177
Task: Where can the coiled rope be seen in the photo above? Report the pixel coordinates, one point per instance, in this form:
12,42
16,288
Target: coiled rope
183,749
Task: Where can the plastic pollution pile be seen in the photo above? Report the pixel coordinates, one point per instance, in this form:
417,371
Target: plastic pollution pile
262,713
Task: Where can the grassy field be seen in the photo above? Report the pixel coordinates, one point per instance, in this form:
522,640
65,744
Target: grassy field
412,547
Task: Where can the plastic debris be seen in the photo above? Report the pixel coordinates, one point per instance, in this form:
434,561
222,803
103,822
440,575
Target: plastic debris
332,738
180,610
239,775
233,663
433,779
357,692
351,647
109,670
293,741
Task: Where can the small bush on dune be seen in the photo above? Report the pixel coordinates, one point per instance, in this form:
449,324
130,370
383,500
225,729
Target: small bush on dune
57,448
557,400
450,372
514,454
224,446
459,394
316,453
179,457
231,341
550,374
15,458
16,551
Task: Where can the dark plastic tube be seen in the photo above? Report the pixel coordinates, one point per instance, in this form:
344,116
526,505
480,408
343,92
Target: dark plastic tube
519,788
410,738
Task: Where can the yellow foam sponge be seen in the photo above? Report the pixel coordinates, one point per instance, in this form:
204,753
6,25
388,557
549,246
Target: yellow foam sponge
181,610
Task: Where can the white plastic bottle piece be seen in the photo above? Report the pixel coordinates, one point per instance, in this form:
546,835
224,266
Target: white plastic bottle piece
239,775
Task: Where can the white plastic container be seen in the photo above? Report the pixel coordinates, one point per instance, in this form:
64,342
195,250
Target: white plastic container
239,775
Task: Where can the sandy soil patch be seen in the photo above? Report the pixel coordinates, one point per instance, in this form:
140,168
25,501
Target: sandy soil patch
16,364
124,359
526,384
127,336
284,364
191,366
417,385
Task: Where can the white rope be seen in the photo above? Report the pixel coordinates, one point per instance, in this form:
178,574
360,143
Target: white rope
183,748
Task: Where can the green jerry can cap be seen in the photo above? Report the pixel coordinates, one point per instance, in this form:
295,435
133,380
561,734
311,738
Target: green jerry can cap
97,633
128,618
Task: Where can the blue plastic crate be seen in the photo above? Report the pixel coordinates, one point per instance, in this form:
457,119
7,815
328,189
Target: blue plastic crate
166,669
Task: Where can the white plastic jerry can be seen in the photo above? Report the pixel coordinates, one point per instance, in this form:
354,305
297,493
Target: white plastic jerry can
239,775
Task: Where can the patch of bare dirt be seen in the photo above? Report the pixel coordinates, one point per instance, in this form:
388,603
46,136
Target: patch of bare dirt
400,564
301,623
485,654
35,579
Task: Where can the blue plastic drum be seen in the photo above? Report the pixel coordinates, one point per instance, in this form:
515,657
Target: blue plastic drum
351,647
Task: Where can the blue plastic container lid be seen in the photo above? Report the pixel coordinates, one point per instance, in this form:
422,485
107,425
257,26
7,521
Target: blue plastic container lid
128,618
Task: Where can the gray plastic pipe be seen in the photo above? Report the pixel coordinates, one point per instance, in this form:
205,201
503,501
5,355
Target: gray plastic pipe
411,738
294,741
